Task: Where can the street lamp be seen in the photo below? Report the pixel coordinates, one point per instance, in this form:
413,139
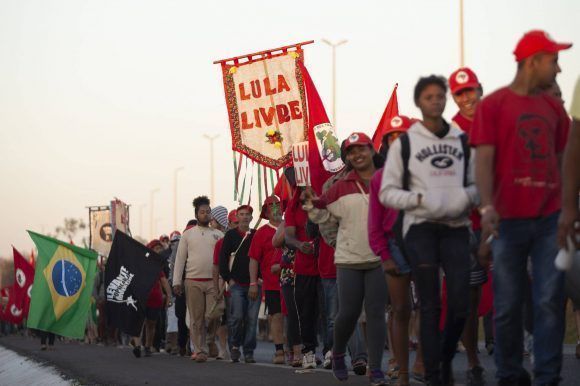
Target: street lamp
211,170
175,171
333,46
151,193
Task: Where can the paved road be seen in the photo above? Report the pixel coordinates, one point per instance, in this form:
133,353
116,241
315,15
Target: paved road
92,365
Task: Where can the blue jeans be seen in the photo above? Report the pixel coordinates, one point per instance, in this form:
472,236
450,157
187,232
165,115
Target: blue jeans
518,240
243,319
356,344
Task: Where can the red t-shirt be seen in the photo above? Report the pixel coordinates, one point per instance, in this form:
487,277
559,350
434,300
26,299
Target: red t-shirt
155,299
528,132
216,251
465,125
326,266
264,253
296,217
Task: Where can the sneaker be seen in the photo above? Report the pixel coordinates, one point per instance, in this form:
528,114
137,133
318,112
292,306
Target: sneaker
43,347
147,351
377,378
490,347
235,354
137,351
249,358
213,350
279,358
327,364
309,360
297,361
201,357
447,374
475,376
359,367
221,355
339,369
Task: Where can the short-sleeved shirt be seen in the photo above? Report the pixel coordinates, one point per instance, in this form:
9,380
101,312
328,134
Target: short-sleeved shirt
465,125
297,217
155,299
528,133
264,253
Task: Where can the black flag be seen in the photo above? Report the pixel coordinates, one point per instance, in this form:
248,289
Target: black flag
131,271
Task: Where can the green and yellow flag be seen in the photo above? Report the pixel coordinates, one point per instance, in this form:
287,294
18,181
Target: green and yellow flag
63,283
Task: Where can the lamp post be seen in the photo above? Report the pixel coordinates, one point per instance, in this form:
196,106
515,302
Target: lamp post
211,170
151,224
175,171
333,46
461,39
141,207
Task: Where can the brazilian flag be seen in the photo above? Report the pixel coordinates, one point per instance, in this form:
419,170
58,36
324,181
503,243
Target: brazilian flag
63,284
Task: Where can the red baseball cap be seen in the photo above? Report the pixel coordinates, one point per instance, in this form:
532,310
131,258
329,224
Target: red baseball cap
153,243
399,123
267,202
463,78
357,139
233,216
245,207
537,41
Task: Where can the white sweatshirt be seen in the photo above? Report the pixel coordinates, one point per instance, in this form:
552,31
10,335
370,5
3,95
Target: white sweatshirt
436,170
195,254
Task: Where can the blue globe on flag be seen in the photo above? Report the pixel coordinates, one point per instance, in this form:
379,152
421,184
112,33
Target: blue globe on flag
66,278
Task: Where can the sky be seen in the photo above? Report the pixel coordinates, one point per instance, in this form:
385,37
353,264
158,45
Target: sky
103,99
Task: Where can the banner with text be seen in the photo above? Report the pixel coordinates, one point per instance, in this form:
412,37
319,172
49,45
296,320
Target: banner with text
301,167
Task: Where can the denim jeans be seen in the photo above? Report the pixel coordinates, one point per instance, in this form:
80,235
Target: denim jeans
430,246
356,344
518,240
243,319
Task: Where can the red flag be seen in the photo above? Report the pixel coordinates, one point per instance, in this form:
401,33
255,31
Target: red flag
10,312
323,145
391,110
23,278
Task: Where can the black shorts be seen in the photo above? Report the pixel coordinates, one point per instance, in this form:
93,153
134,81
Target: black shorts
152,313
273,304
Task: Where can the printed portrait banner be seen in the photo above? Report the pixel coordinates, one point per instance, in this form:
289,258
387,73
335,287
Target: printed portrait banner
101,230
301,166
266,107
120,216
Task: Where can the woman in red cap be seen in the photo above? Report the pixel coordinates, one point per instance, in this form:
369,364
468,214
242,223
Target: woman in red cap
360,277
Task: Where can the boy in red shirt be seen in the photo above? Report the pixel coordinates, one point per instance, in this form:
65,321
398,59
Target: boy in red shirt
520,133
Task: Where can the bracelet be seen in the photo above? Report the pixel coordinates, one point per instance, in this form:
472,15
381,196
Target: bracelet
485,209
254,283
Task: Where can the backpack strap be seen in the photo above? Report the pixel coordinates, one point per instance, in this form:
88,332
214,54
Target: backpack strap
405,155
466,155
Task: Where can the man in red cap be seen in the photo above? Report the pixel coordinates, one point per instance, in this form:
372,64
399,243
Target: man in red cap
235,270
520,132
467,92
262,256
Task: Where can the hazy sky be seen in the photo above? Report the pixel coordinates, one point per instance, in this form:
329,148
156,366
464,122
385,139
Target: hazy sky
106,98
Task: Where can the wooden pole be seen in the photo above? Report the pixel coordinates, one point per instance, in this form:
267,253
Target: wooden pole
249,56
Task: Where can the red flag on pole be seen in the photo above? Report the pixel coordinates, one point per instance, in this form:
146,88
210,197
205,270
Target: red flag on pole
10,312
23,278
323,145
391,110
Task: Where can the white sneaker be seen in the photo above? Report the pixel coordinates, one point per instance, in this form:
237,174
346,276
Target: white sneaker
309,360
327,364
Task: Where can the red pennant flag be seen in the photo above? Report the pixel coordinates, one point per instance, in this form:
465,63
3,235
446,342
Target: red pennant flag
23,279
323,145
10,311
391,110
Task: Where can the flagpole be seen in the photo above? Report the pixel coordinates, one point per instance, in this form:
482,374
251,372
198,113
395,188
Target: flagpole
333,46
461,37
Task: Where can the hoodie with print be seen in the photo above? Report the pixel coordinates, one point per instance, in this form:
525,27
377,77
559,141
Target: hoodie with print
436,171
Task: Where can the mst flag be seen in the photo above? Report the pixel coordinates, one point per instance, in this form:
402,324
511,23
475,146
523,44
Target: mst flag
23,278
63,283
131,271
10,311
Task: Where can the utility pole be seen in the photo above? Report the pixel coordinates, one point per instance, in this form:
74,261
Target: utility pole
333,46
151,223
